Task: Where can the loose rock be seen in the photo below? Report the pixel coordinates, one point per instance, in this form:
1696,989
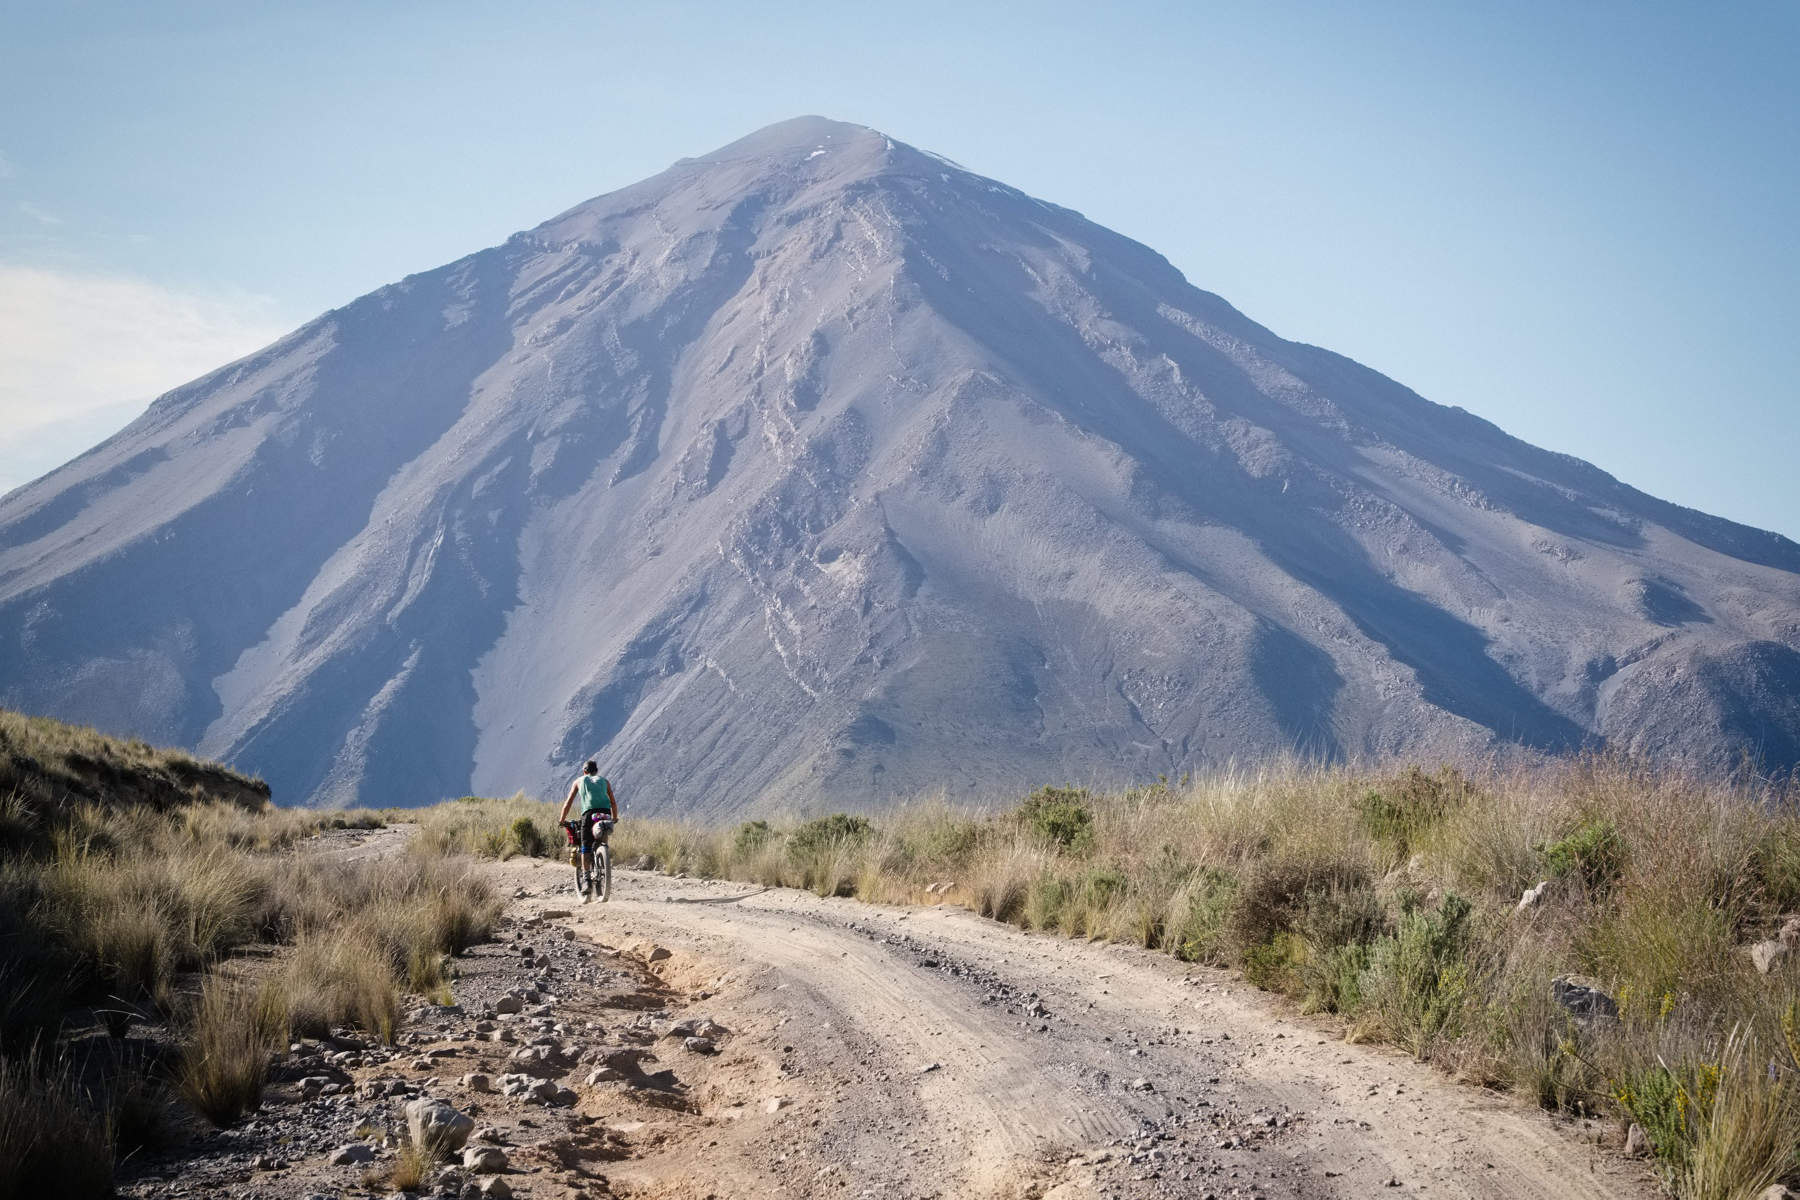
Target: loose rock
1582,996
485,1160
436,1126
1769,955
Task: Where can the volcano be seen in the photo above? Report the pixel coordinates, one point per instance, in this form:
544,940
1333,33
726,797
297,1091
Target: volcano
822,471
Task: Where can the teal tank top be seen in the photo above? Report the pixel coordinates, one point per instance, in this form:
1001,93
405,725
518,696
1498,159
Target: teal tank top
593,794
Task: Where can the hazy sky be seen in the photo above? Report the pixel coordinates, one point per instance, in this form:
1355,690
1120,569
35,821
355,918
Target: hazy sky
1577,220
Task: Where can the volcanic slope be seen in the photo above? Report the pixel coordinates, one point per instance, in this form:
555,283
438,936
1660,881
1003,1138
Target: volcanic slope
820,466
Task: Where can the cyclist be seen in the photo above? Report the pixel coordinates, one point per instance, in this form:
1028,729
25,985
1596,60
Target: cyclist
597,804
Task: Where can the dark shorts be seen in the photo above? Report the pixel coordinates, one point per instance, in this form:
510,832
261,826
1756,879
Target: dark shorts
596,827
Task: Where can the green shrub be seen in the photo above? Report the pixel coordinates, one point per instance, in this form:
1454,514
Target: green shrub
751,837
1198,912
526,838
831,832
1059,816
1418,979
952,839
1102,885
1775,865
1411,805
1275,964
1045,901
1339,928
1594,852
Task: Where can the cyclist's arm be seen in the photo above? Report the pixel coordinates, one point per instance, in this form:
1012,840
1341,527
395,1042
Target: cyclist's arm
569,802
611,795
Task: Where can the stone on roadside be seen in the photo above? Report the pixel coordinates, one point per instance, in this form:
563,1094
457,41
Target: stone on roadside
603,1075
509,1004
1777,1191
475,1081
1533,896
775,1104
1769,955
656,954
1790,931
700,1045
1637,1142
1140,1084
352,1154
554,914
484,1160
1583,997
436,1126
494,1188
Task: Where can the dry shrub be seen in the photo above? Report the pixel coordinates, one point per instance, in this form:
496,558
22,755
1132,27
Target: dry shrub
486,827
234,1031
340,979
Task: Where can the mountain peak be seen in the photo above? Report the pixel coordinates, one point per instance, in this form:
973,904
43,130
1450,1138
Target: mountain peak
816,471
801,135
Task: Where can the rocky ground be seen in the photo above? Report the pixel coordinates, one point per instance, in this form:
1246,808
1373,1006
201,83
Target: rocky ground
699,1039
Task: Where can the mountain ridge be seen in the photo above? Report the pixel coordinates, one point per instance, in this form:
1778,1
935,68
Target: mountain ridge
819,466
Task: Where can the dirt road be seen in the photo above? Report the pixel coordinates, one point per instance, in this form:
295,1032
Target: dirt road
930,1053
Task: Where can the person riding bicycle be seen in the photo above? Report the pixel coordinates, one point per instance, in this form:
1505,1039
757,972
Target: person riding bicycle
598,803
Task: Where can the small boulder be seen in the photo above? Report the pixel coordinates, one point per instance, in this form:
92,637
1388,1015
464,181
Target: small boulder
551,1094
1533,896
475,1081
700,1045
657,954
494,1188
603,1075
1776,1191
1790,931
775,1104
1583,997
1637,1142
484,1160
1769,955
351,1155
509,1004
436,1126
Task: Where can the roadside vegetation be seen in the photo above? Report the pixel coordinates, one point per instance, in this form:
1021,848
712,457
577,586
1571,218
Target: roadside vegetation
134,885
1625,988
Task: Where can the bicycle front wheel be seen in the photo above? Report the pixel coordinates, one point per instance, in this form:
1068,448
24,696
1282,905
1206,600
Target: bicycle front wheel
603,869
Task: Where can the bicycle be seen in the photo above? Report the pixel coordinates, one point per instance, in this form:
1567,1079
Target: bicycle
596,874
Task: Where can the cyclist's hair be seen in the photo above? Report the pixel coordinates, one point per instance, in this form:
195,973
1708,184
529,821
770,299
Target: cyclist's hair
593,768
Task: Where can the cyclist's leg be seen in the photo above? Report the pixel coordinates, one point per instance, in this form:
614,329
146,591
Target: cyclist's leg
604,866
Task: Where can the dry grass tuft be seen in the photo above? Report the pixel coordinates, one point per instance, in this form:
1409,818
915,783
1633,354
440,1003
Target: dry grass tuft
53,1140
235,1031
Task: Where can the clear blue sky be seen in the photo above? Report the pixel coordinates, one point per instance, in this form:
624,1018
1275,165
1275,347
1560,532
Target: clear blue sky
1577,220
